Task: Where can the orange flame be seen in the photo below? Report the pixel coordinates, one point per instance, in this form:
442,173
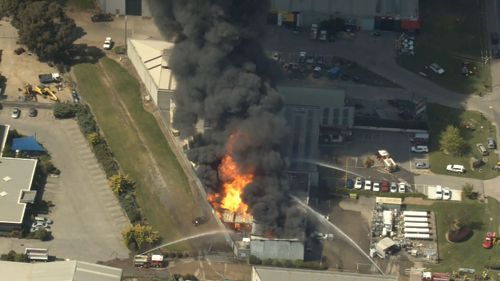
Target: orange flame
234,182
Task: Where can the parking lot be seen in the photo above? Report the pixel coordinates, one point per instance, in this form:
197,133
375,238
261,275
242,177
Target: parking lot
88,219
365,143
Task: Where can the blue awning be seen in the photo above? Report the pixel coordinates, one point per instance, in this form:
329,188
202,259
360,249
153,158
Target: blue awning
26,144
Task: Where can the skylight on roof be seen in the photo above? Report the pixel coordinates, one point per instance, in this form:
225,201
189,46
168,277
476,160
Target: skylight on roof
7,178
3,193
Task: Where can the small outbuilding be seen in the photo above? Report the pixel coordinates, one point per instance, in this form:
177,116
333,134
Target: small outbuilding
385,246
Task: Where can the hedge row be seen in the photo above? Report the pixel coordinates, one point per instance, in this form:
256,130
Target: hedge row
100,147
253,260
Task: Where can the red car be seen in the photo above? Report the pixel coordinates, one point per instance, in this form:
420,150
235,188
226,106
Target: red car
489,239
384,186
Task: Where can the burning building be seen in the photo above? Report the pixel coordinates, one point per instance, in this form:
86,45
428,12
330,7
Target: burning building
224,78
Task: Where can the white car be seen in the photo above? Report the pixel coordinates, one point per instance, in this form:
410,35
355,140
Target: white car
446,194
376,186
358,184
16,112
108,43
368,185
436,68
439,192
394,187
401,187
276,56
420,149
455,168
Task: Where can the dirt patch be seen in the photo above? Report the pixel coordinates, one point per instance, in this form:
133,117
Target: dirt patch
22,69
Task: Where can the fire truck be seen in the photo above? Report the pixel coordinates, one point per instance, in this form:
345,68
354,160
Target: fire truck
147,261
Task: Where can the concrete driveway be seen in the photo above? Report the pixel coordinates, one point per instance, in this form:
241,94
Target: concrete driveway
88,219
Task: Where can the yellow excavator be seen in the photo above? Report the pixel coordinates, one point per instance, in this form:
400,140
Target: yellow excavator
50,93
32,91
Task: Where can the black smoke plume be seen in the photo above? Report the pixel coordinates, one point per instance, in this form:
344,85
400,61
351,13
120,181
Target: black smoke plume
224,78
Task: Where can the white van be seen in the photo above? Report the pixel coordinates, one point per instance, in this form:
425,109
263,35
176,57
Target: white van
439,192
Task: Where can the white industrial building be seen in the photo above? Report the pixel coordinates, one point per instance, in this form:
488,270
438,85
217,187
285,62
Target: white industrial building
125,7
150,59
16,177
264,273
365,14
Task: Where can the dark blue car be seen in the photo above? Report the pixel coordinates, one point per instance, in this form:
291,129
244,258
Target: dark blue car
349,184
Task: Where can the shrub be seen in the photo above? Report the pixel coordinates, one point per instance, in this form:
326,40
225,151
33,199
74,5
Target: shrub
131,208
121,183
254,260
267,262
141,235
105,158
277,263
369,162
42,235
468,191
93,138
452,142
64,110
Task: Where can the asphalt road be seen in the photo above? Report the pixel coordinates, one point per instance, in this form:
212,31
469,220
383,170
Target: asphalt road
88,219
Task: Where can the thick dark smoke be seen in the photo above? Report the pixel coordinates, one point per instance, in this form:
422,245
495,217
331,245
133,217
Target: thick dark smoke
224,78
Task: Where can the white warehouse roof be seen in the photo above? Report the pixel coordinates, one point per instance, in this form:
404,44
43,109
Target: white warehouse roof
155,55
59,271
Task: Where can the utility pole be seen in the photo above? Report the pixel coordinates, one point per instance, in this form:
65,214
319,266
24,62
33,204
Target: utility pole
126,32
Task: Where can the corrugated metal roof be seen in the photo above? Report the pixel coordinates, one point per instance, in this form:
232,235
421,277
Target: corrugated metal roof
284,274
58,271
315,97
155,55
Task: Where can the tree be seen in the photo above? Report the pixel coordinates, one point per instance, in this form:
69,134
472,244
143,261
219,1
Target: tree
93,138
140,236
369,162
42,234
9,7
468,190
64,110
45,29
121,183
459,226
451,142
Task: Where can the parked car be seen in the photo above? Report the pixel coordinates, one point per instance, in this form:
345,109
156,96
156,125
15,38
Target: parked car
276,56
108,43
368,185
384,186
16,112
309,59
199,220
302,57
491,143
101,17
420,149
376,186
446,194
75,96
455,168
402,187
33,112
394,187
439,192
349,184
436,68
421,165
482,149
358,183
